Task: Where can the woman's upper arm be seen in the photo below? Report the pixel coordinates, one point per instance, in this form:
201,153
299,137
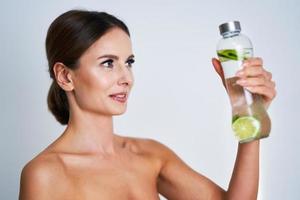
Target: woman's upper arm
177,181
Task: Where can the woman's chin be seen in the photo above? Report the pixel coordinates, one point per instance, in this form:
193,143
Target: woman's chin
119,111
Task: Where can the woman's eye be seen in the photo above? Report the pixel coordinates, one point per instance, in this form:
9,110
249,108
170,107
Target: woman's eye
108,63
130,62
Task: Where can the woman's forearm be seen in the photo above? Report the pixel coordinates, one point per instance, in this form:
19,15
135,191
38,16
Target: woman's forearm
245,177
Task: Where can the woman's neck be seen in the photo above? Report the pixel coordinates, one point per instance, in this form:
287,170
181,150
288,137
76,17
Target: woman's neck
91,133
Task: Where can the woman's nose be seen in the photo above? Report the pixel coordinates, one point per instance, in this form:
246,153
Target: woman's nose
126,77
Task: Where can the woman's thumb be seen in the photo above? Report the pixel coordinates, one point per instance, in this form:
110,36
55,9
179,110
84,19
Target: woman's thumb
217,65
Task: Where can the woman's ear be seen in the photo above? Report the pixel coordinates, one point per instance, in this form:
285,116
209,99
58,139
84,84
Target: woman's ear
63,76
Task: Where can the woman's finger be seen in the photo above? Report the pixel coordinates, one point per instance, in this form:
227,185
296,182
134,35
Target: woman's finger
256,81
218,68
266,92
253,61
253,71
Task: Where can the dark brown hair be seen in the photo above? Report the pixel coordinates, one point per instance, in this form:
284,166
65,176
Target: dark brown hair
68,37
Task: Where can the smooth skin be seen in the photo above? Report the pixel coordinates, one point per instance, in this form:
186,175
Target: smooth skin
90,161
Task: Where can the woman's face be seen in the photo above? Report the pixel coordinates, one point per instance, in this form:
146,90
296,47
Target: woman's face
105,70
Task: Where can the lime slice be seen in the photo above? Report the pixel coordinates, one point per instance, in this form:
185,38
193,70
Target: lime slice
246,128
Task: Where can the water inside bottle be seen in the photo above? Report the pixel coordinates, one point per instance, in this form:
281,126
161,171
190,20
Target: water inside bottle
246,105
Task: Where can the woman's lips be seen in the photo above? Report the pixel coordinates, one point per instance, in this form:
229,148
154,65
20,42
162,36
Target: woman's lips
120,97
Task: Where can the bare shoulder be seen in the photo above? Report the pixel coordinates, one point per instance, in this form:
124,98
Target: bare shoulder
143,144
39,176
42,166
152,147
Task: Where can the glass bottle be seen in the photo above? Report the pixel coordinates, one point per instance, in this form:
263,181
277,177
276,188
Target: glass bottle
250,121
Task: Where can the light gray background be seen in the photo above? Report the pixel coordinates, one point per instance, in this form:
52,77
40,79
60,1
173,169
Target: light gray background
177,99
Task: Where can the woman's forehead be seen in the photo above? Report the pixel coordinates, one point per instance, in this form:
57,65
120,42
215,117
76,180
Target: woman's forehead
115,41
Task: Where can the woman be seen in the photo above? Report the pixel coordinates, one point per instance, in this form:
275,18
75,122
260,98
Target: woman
90,59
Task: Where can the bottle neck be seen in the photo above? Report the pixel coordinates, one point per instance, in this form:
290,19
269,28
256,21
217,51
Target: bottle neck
231,34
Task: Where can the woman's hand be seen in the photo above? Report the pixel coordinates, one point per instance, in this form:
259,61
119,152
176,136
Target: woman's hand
253,77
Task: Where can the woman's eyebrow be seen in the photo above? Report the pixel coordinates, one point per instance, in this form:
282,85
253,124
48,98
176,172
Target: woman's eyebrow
113,56
131,56
108,56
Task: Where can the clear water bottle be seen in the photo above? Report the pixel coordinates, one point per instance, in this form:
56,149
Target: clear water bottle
250,120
